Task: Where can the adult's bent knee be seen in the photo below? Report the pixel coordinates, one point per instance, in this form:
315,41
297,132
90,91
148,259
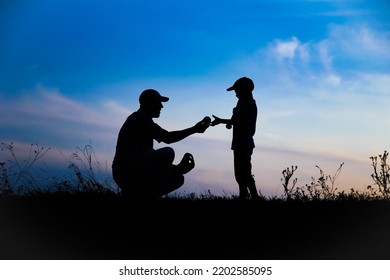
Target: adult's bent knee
167,153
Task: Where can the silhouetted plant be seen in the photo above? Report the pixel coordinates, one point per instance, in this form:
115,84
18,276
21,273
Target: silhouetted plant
318,189
5,183
287,174
17,176
381,175
328,191
368,194
88,173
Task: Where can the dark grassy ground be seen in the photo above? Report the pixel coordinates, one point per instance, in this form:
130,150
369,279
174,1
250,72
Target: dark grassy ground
95,226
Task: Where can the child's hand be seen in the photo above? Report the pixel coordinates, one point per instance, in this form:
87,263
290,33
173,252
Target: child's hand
216,121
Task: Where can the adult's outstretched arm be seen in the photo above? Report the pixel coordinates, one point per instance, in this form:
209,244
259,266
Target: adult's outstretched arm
178,135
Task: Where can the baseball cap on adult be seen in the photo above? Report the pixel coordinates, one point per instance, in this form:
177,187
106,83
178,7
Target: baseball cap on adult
242,83
151,96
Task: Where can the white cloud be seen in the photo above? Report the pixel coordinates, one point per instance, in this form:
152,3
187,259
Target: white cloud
116,109
324,56
345,47
286,49
333,79
45,105
304,52
361,43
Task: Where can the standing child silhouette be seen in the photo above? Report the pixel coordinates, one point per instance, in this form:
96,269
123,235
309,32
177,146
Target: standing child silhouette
243,122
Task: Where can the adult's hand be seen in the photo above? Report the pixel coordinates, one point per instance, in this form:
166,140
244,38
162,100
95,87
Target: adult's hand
201,126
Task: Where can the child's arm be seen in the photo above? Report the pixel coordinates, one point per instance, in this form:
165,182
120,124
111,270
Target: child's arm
218,121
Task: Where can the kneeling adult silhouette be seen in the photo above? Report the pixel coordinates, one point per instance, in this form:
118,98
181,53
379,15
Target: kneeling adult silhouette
140,171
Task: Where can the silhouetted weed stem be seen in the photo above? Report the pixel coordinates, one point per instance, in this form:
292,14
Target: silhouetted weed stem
381,177
287,174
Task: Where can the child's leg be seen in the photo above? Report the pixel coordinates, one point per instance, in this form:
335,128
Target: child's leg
243,172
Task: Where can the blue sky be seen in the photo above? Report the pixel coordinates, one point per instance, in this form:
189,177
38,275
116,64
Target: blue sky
71,72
